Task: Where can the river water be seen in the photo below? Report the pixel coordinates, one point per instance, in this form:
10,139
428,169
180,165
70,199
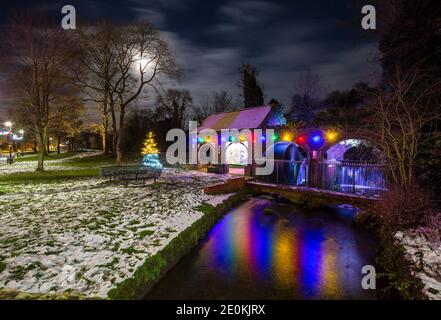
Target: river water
280,253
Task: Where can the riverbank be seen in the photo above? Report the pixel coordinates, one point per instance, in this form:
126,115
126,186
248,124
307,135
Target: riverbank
422,249
409,261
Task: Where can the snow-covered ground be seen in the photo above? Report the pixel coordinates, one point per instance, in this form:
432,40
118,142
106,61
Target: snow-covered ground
88,235
49,164
423,248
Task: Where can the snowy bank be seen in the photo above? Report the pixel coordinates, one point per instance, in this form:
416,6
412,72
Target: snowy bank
423,248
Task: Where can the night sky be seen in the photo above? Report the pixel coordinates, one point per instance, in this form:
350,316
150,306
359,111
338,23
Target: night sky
212,38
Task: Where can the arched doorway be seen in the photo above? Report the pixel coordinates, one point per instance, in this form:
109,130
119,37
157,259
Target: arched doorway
237,154
356,166
338,150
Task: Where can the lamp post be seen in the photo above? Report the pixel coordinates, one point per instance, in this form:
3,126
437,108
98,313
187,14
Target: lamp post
22,143
9,124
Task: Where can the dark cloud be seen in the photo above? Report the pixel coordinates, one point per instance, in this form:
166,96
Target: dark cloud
212,38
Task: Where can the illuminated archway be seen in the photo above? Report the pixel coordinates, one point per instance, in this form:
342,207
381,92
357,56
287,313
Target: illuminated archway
362,174
237,153
337,151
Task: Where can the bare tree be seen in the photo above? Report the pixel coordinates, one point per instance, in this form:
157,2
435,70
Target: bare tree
97,68
222,101
119,62
174,105
309,93
202,109
215,103
403,121
143,56
66,119
39,52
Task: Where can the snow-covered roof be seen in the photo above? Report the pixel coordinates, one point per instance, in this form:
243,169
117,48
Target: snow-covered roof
249,118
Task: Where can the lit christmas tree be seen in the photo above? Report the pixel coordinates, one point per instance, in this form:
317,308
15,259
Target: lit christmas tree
150,152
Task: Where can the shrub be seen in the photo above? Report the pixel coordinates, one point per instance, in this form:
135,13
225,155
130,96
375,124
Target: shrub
405,209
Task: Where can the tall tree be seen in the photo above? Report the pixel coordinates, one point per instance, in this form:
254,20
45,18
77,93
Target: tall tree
252,92
221,101
308,97
40,52
401,124
126,60
173,105
215,103
345,109
410,35
66,119
143,56
96,69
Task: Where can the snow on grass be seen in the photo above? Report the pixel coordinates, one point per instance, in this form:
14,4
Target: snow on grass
49,164
45,187
425,252
30,166
219,199
90,235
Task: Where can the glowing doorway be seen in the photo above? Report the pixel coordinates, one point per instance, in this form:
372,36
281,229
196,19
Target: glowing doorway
237,153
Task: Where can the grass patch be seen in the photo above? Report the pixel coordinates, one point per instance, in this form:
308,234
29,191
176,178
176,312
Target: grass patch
51,156
145,233
84,167
131,250
205,208
2,264
49,176
19,272
111,264
100,160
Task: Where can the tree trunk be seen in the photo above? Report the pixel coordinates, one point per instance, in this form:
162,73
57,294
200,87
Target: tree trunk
41,147
114,127
46,141
104,119
104,135
58,144
119,139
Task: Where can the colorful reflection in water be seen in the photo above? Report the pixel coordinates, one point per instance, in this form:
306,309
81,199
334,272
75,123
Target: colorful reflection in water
287,254
295,258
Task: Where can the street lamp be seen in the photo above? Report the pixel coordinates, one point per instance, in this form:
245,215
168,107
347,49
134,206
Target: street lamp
22,143
9,124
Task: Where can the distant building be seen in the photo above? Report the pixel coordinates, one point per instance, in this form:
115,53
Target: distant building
263,117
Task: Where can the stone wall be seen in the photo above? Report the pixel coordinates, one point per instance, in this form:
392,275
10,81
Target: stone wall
230,186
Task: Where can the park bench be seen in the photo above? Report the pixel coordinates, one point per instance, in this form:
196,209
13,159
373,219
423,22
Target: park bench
130,173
